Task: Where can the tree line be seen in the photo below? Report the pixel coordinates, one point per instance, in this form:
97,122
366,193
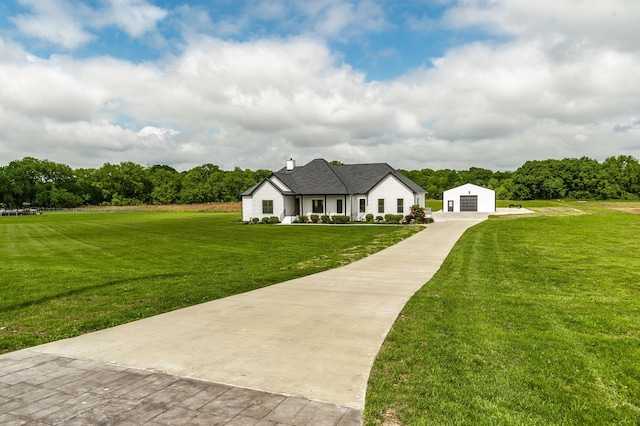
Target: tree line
570,178
44,183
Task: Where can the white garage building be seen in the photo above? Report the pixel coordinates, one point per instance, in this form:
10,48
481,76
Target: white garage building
469,198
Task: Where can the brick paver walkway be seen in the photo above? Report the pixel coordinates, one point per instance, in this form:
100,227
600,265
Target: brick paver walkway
39,389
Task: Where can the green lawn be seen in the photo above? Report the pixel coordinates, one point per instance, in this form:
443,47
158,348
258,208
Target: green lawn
66,274
529,321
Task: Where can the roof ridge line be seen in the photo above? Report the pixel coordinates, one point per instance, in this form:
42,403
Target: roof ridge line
331,166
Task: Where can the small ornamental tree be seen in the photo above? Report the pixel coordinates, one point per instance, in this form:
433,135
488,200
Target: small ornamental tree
417,215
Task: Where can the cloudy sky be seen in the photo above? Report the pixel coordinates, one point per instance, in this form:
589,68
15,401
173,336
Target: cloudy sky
415,83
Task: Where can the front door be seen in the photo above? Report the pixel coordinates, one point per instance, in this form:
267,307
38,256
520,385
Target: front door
450,205
297,208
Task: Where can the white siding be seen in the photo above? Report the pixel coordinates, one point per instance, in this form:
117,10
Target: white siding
355,212
486,197
307,204
390,189
247,208
330,204
253,204
279,184
289,205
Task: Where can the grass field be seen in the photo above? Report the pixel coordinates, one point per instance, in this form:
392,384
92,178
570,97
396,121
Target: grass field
529,321
64,274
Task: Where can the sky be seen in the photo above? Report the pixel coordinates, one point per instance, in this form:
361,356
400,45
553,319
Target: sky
414,83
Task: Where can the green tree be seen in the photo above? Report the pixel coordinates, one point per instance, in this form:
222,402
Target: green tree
89,186
39,183
166,182
623,172
197,184
126,183
476,176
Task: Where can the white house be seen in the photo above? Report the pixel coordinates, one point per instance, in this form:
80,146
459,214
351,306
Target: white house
469,198
328,189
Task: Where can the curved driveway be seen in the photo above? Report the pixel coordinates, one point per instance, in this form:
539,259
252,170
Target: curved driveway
314,337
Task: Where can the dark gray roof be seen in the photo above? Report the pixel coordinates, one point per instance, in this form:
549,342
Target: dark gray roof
321,177
253,188
316,177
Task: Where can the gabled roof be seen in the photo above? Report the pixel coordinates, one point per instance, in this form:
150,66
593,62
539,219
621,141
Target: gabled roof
470,186
316,177
255,187
361,178
321,177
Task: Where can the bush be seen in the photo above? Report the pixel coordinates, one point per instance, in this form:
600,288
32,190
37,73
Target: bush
393,218
274,219
303,219
265,220
325,219
341,219
369,217
379,218
417,215
315,218
255,220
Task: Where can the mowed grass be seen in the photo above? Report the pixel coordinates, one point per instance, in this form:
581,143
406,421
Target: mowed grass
529,321
62,275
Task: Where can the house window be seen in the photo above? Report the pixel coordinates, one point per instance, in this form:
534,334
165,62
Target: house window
339,206
318,206
363,205
400,205
380,205
267,206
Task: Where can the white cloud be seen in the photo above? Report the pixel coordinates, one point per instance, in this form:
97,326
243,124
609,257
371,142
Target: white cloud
50,89
134,17
253,104
70,23
12,52
341,20
608,23
56,21
159,132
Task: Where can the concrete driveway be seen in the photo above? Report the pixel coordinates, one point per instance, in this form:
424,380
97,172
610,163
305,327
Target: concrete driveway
315,337
295,353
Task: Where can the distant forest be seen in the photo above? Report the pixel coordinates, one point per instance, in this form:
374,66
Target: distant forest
43,183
